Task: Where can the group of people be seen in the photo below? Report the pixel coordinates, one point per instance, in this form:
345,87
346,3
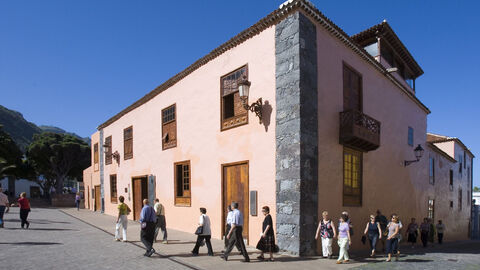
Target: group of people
427,231
24,205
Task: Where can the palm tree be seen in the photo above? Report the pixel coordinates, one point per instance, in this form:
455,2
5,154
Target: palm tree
4,167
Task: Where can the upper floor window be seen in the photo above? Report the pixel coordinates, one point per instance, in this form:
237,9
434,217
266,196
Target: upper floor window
169,127
233,113
431,209
460,164
431,170
96,156
352,177
128,143
113,188
460,200
410,136
182,183
352,89
108,150
451,179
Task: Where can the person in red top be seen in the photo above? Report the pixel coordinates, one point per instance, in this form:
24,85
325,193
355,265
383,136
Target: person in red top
24,209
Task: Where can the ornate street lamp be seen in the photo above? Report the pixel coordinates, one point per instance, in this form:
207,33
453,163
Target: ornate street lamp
418,154
244,89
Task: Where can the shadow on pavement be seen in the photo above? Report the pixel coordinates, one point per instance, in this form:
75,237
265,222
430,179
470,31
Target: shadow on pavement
31,243
41,229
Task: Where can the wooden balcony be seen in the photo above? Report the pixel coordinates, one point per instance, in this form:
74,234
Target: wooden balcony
359,131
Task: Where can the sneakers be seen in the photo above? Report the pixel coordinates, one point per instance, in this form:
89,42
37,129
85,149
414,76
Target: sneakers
346,261
339,262
165,242
116,239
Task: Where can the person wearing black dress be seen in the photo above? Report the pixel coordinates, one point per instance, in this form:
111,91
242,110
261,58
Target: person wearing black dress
267,234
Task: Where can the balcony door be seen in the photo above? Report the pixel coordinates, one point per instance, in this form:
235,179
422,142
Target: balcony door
352,89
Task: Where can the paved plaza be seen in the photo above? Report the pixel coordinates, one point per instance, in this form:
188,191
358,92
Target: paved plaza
70,239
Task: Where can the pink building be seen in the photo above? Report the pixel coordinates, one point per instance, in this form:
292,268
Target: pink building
339,117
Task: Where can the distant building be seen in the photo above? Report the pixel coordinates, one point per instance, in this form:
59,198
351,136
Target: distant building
340,117
32,189
476,197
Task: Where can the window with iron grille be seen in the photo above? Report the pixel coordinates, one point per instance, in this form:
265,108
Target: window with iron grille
169,127
431,209
352,177
233,114
128,143
182,183
108,150
113,188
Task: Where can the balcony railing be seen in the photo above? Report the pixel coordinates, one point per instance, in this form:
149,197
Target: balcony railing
359,131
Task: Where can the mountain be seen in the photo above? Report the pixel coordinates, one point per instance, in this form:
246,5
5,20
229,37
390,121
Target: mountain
22,131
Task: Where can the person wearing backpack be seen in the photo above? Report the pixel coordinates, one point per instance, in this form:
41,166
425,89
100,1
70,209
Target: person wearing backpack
326,230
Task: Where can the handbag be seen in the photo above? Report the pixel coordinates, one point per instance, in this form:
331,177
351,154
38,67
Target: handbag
261,244
199,230
143,225
364,239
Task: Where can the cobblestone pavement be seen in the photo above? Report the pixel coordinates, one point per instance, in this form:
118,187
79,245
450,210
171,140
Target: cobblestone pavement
57,241
70,239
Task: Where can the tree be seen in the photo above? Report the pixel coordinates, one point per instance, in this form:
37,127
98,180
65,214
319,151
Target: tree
56,157
476,189
10,159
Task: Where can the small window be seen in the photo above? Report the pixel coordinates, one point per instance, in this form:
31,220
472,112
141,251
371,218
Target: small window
113,188
108,150
460,200
431,209
169,127
128,143
451,180
352,177
233,113
182,184
432,170
410,136
96,156
460,164
451,204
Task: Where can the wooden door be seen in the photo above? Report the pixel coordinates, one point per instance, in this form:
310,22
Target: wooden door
140,192
88,197
97,198
235,188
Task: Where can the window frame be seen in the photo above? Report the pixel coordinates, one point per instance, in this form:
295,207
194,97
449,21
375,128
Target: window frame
113,199
108,151
348,67
451,179
410,135
224,120
359,155
431,169
184,200
164,145
96,156
128,155
460,199
431,209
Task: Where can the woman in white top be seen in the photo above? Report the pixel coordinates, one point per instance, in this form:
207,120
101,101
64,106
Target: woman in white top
204,222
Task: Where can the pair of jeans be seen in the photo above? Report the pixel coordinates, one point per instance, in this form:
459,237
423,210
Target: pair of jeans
344,245
161,225
77,204
2,211
122,223
440,237
392,246
147,234
327,246
424,237
200,238
236,239
373,238
24,216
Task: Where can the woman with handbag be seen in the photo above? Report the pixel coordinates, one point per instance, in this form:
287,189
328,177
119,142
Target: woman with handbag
373,232
267,240
122,220
24,209
203,232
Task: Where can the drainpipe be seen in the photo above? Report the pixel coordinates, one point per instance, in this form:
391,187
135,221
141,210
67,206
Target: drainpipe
102,170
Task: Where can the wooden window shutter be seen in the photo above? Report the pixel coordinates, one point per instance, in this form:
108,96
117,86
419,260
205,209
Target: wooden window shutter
108,150
169,127
128,143
233,113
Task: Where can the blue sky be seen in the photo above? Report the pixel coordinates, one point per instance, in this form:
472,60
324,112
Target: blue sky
74,64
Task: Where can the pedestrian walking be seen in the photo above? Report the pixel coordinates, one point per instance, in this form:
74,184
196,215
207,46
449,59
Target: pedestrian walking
382,220
267,240
228,226
440,229
77,201
326,230
4,207
24,209
235,234
412,232
147,221
392,240
424,232
122,219
349,221
373,233
205,234
161,221
431,232
344,239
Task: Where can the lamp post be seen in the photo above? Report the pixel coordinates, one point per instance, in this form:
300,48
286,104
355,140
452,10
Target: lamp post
418,155
243,90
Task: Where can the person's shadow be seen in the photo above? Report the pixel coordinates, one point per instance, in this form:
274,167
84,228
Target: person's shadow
266,114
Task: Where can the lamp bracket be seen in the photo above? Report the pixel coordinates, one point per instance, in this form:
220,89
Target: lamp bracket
255,107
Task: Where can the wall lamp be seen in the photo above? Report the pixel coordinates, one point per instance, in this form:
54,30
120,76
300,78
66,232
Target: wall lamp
256,107
115,155
418,154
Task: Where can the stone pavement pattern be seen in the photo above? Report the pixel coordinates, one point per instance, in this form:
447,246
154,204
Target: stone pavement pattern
71,239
